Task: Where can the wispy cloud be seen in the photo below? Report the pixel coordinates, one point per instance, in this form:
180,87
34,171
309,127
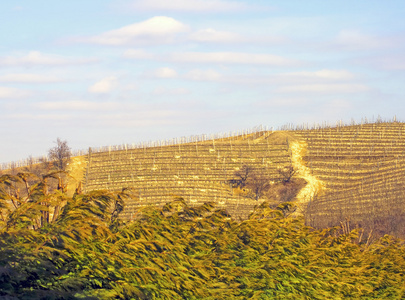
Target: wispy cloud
324,88
76,105
393,62
28,78
103,86
232,58
321,74
12,93
18,8
170,91
243,58
138,54
156,30
38,58
144,118
298,79
357,40
201,6
40,117
214,36
203,75
164,72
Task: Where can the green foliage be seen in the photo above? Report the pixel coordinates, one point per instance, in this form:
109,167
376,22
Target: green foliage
181,252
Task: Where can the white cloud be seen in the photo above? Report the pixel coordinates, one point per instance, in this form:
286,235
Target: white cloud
322,74
324,88
138,54
214,36
38,58
130,87
277,101
203,75
40,117
340,104
232,58
103,86
172,92
158,29
296,79
215,57
142,118
394,62
190,5
28,78
12,93
76,105
164,73
356,40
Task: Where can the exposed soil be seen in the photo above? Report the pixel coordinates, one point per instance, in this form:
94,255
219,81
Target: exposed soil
77,172
314,186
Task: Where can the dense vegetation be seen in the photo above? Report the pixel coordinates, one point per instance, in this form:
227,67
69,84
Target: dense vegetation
54,246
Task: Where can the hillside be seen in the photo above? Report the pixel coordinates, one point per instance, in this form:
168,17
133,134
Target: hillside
363,168
198,172
59,244
352,172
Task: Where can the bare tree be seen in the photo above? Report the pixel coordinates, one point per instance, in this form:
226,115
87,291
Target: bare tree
253,179
258,183
242,176
60,154
286,173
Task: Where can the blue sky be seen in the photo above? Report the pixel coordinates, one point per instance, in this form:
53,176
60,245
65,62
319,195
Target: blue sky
98,73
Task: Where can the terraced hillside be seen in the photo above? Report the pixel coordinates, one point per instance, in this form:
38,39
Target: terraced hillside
363,171
198,171
354,173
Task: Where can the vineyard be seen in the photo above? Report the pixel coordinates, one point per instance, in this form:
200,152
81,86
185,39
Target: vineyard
198,172
363,169
352,174
359,171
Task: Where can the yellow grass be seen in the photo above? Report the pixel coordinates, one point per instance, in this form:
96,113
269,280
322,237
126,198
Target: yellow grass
77,172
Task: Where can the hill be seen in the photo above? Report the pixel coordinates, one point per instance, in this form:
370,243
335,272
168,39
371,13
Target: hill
198,172
352,175
362,168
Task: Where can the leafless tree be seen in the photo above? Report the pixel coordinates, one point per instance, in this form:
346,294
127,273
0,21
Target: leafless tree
253,179
242,176
60,154
258,183
287,173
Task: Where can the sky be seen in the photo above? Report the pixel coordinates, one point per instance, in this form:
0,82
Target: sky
108,72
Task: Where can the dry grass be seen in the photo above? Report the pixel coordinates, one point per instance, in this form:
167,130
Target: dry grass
77,172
